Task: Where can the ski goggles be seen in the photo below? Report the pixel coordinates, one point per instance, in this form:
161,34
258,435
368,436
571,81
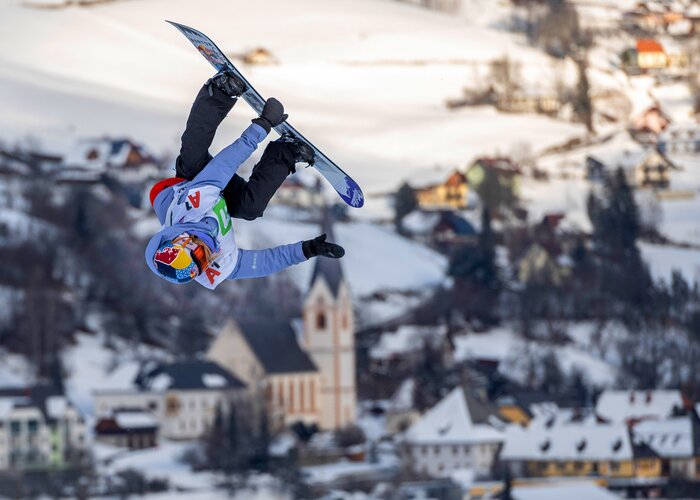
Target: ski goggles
198,251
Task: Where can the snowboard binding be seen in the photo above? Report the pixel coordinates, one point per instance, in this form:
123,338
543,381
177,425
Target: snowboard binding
305,153
228,83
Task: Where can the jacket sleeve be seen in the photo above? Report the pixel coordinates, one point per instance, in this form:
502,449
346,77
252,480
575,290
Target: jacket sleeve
257,263
221,168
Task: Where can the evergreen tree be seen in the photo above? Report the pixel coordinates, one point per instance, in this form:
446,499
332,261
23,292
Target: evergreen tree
405,202
583,105
477,282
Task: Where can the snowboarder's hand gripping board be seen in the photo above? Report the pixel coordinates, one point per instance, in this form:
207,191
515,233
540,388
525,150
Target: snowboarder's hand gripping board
344,185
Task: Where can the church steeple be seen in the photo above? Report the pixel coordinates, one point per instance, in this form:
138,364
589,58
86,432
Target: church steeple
328,269
329,337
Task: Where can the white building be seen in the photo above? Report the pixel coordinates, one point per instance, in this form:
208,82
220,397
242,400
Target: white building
183,396
631,406
455,434
39,427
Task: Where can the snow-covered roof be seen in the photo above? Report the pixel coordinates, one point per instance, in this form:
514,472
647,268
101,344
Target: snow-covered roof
99,154
430,177
134,419
56,406
568,442
672,437
187,375
621,406
450,422
587,490
406,339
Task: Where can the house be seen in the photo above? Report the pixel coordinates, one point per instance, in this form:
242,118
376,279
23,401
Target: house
676,440
652,121
507,171
443,230
39,428
457,433
680,139
402,348
646,16
182,396
306,374
632,406
266,354
130,428
647,55
259,56
529,100
297,193
577,449
644,166
91,158
538,266
449,193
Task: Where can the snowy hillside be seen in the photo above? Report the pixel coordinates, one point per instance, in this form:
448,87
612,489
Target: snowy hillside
370,89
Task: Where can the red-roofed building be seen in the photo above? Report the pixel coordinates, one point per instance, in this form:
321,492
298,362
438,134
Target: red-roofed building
650,54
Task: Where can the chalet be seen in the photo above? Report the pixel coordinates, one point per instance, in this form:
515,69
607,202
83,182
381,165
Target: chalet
91,158
647,55
443,230
259,56
646,16
401,348
652,120
644,167
680,139
451,193
129,428
632,406
307,374
39,428
457,433
183,396
529,100
538,266
506,170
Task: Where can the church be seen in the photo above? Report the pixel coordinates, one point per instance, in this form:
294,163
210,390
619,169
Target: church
304,371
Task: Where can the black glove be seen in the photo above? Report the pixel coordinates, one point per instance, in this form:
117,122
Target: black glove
319,246
272,115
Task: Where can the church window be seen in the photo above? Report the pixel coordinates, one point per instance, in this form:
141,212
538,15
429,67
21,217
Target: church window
302,405
280,394
320,321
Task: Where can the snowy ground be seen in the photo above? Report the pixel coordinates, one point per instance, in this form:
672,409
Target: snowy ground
371,94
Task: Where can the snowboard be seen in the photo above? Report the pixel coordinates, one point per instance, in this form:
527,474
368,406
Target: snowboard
345,186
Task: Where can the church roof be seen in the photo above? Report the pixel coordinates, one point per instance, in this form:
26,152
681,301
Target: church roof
275,345
328,269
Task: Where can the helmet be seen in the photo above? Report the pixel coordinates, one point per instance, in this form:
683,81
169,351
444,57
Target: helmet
174,262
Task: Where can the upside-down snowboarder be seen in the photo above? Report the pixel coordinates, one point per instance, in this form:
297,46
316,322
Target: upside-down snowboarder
195,207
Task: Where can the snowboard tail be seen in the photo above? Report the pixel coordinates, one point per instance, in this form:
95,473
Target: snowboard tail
344,185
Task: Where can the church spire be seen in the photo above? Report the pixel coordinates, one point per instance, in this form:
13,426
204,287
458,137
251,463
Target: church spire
328,269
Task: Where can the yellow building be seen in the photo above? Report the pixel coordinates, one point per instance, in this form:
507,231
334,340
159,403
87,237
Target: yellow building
452,193
574,449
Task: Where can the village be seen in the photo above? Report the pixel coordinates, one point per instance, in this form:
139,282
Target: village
527,328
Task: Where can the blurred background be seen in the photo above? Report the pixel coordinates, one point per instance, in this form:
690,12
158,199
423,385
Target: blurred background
518,312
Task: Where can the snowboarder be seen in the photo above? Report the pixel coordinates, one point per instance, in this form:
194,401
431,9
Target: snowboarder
195,207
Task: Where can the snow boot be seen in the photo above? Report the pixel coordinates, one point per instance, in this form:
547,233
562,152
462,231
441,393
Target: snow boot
228,83
304,153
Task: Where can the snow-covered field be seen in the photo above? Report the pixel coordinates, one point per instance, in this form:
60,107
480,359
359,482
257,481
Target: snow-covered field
370,93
